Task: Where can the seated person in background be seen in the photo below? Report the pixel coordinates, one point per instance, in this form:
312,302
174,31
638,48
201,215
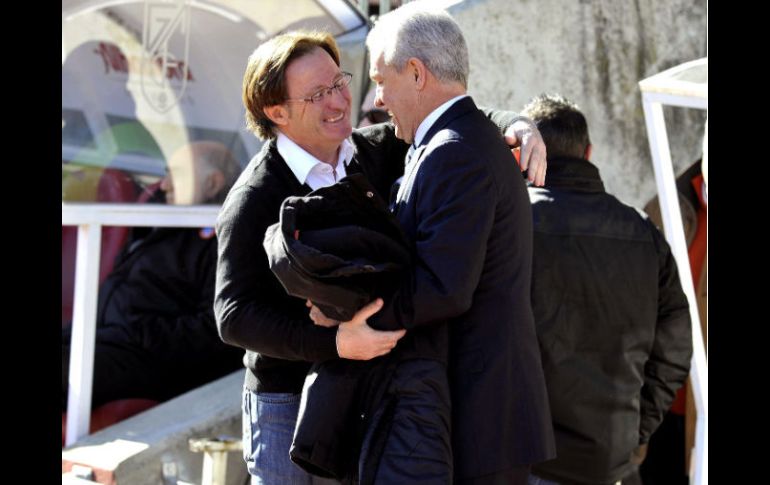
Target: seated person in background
612,321
156,336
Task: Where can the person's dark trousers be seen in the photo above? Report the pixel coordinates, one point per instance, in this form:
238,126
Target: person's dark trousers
409,440
513,476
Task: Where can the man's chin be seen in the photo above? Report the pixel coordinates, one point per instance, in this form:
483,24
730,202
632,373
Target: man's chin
342,131
400,135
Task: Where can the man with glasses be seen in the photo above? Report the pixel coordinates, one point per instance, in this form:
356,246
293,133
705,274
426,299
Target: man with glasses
297,97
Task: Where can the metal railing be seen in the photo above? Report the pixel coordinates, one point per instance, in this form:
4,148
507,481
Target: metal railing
90,218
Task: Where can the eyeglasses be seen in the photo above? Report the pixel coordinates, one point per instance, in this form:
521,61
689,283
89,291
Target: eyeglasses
341,83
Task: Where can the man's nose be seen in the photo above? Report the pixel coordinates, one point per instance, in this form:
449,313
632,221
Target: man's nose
378,103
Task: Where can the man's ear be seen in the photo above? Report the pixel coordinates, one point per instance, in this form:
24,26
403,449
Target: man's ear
278,114
215,182
587,155
417,69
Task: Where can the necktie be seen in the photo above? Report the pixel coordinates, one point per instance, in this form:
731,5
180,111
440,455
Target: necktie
394,190
409,154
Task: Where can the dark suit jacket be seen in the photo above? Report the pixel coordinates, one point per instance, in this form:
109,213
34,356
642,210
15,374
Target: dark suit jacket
464,204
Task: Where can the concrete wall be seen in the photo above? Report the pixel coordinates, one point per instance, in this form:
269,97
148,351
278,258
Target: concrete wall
593,52
152,448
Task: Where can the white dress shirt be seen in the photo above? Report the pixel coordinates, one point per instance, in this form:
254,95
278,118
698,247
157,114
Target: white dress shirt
310,170
434,115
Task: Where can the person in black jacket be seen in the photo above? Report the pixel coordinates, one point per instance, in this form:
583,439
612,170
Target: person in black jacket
156,336
612,321
297,97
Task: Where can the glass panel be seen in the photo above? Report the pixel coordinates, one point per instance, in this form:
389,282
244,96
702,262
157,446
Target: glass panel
143,80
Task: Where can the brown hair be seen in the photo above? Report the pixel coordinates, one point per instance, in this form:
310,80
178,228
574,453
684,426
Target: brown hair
264,82
561,124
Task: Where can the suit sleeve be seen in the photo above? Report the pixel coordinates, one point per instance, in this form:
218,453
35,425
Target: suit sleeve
455,213
382,136
669,361
502,119
248,302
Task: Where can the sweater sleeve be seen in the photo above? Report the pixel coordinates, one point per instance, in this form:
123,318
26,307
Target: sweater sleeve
502,119
249,304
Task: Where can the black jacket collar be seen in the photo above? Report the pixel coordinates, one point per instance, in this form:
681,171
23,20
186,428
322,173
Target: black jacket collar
573,174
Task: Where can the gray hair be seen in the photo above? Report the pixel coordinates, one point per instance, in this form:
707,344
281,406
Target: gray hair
432,36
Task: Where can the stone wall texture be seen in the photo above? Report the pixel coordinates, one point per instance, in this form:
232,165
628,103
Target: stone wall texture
594,52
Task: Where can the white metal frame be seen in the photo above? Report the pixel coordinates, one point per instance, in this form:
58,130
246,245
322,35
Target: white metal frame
675,88
90,218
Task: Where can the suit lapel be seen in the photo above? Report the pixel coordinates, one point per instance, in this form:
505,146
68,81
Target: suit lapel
410,171
460,108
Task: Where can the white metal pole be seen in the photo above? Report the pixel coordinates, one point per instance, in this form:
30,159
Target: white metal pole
83,331
674,231
384,7
214,457
214,468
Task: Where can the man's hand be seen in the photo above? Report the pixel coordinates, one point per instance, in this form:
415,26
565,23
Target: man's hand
318,316
358,341
524,134
639,454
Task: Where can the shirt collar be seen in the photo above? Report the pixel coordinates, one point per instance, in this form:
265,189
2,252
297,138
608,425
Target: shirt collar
432,117
301,162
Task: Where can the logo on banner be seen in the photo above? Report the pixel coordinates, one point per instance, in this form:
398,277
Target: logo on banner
162,21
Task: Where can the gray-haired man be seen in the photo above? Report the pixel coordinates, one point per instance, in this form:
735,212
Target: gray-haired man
465,207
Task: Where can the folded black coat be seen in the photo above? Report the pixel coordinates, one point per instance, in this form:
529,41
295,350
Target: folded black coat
340,247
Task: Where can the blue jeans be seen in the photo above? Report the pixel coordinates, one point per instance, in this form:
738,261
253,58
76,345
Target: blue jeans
535,480
268,429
